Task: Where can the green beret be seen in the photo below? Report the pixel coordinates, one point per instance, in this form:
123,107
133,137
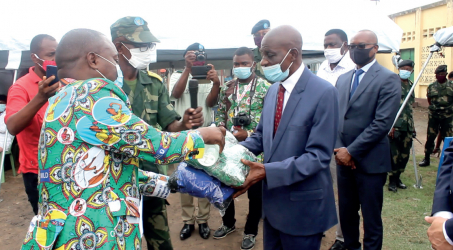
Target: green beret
441,68
134,29
406,63
261,25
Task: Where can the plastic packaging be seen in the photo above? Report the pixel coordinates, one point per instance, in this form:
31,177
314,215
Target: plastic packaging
229,168
195,182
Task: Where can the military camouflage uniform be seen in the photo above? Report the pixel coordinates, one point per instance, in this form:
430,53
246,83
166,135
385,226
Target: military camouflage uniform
440,113
150,102
400,145
257,58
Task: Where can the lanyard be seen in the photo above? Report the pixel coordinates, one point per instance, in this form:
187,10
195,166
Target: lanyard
251,86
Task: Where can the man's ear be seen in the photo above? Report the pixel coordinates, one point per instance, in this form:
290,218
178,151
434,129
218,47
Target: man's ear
34,59
119,47
92,60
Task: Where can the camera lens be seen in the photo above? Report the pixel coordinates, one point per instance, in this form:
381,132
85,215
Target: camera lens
200,57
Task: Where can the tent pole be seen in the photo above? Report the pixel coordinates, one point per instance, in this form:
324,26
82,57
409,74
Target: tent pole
418,181
15,76
412,90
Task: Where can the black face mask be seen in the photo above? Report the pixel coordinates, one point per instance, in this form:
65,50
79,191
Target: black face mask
360,56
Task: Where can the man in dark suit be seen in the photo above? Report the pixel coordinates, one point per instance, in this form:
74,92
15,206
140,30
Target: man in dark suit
297,134
440,232
369,98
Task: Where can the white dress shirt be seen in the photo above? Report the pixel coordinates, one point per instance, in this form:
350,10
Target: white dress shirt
290,83
365,69
331,75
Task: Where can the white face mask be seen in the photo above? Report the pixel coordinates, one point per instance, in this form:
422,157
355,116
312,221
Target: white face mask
333,55
141,60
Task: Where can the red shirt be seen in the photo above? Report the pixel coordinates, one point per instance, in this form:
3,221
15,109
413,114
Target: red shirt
21,93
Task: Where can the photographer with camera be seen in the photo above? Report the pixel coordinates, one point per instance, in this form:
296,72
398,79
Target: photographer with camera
208,91
240,106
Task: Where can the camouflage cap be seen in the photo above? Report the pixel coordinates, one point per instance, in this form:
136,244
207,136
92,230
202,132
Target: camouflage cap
134,29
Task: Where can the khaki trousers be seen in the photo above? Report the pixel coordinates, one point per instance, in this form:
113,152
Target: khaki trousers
188,210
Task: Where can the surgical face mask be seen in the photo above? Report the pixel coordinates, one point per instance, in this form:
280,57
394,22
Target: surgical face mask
274,73
405,74
119,78
360,56
2,107
45,63
114,64
333,55
242,72
139,59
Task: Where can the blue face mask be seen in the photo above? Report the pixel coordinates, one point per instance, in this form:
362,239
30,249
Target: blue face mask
119,78
274,73
242,72
2,107
405,74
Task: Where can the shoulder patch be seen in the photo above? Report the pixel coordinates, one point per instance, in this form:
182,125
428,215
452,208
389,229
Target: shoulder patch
152,74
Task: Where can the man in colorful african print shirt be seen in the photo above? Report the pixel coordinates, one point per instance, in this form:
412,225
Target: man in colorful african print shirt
90,188
242,97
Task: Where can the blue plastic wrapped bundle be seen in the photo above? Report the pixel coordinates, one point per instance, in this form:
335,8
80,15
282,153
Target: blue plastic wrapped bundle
199,184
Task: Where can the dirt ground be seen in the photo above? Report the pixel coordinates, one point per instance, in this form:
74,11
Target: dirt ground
16,213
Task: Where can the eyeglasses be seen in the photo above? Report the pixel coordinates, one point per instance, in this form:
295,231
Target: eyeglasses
143,46
360,46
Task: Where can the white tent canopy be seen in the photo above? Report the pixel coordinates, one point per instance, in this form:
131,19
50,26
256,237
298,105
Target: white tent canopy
215,24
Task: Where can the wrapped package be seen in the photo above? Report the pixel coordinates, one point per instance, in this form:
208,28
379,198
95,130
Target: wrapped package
229,169
195,182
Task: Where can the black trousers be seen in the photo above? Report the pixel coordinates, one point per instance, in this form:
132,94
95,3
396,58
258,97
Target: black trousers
255,195
357,191
31,188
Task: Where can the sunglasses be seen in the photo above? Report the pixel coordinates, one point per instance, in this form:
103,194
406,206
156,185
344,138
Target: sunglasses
360,46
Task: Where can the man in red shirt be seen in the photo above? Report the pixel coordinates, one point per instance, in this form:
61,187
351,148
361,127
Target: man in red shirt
27,103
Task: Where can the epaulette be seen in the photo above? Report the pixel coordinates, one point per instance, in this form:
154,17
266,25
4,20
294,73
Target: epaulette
152,74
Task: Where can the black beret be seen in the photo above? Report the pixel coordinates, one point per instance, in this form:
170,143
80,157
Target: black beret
406,63
261,25
194,47
441,68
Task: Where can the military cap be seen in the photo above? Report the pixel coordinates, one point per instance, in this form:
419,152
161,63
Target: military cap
261,25
403,63
441,68
134,29
194,47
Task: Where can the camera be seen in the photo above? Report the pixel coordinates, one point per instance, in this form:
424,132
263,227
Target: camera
242,119
200,56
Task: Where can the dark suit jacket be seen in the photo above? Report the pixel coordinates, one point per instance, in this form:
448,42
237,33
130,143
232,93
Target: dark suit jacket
298,195
443,198
366,119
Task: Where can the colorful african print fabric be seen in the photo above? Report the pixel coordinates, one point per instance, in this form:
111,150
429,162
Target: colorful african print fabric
89,181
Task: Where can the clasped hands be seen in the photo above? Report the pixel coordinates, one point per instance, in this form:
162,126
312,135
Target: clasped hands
343,158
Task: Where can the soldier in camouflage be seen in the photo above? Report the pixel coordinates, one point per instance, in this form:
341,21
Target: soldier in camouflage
401,134
258,31
151,102
440,99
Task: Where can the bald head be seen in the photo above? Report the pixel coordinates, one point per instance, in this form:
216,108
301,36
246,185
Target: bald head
363,47
367,35
80,52
284,36
282,45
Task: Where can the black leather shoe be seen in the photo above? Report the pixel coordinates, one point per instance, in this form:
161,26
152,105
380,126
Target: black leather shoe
186,231
424,163
338,245
400,185
204,230
392,187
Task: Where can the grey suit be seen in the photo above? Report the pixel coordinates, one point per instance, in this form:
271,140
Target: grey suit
365,120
